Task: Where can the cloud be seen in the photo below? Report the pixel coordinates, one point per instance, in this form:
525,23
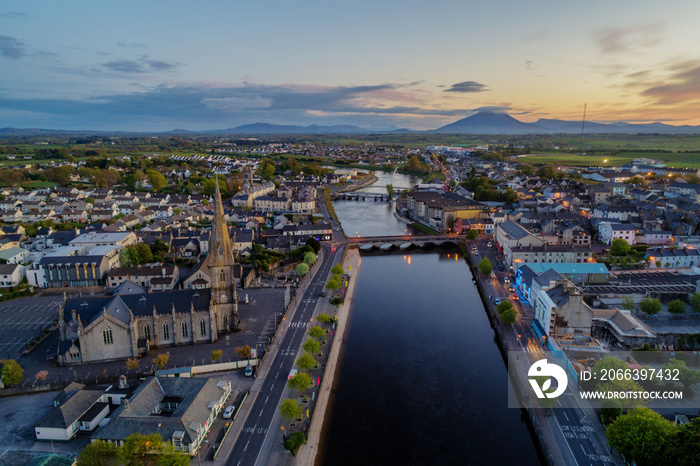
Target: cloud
492,108
140,65
625,40
11,47
528,65
682,84
132,45
468,86
13,15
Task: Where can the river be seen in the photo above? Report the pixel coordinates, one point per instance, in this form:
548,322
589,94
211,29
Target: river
420,379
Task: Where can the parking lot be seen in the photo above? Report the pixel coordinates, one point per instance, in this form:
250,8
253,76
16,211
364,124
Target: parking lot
23,319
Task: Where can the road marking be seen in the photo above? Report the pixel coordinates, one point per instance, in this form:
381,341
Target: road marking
246,445
266,398
567,417
584,451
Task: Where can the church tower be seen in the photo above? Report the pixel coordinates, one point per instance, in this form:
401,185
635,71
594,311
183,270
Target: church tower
223,308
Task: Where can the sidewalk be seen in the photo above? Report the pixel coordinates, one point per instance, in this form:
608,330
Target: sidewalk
307,453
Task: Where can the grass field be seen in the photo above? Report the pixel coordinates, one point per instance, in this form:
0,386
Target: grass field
40,184
675,160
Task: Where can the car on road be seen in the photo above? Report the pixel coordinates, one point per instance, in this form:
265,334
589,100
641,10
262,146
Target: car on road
511,289
292,373
497,301
516,297
248,370
476,253
229,412
489,244
506,280
322,294
500,268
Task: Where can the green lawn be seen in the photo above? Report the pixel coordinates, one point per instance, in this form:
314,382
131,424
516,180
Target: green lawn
40,184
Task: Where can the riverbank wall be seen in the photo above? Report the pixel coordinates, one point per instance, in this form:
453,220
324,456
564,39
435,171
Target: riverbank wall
535,417
362,184
308,453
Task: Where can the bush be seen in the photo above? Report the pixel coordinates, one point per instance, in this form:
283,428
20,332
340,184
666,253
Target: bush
298,438
337,301
289,444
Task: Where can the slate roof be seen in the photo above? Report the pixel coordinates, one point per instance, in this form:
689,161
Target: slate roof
513,230
140,304
559,295
71,409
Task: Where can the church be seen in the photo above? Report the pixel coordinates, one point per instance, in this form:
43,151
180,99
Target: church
130,322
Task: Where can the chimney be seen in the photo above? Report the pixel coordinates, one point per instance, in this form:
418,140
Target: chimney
122,382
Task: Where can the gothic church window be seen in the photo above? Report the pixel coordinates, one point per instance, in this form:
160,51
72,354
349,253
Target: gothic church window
107,336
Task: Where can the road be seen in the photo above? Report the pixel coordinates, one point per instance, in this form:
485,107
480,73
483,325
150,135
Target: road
258,435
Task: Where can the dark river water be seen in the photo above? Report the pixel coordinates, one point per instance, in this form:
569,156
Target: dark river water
420,379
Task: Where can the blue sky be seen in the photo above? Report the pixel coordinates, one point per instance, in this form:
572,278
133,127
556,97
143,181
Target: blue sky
205,65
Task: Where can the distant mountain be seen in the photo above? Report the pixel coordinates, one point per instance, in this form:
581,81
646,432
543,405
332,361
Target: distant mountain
502,123
488,122
267,128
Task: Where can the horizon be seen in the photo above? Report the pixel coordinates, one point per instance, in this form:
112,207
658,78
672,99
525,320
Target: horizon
138,67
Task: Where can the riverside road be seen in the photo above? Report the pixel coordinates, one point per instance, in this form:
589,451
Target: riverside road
258,435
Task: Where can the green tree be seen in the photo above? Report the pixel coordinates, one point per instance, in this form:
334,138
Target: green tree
414,165
310,258
628,303
312,346
682,446
301,382
315,244
306,362
216,355
302,269
337,270
485,266
334,283
317,332
640,436
390,191
243,351
472,234
504,306
509,316
619,247
298,438
676,306
695,302
141,449
610,409
99,453
157,180
144,252
686,376
325,318
132,364
290,410
650,306
546,172
12,373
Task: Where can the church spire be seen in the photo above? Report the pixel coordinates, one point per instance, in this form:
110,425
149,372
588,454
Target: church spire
220,250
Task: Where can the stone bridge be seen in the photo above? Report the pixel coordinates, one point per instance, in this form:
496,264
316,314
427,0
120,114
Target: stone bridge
387,243
357,196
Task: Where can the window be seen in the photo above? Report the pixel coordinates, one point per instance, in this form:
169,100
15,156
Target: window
223,277
225,320
166,331
203,328
107,336
147,332
184,329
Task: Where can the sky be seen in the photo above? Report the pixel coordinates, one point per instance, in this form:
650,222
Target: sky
379,64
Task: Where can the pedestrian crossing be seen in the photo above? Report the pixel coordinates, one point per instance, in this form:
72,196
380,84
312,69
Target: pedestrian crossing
299,325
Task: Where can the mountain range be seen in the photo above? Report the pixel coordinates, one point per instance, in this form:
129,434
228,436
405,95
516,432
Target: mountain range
480,123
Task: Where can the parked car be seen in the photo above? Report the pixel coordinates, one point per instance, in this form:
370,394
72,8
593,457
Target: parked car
323,294
248,370
292,373
476,253
229,412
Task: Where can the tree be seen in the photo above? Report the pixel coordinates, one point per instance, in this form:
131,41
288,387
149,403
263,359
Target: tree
315,244
317,332
216,355
337,270
650,306
325,318
290,409
310,258
132,364
161,360
485,266
297,438
628,303
390,191
472,234
306,362
610,409
504,306
695,302
144,252
334,283
640,436
686,376
547,172
509,316
682,446
302,269
243,351
676,306
312,346
619,247
157,180
41,375
99,453
141,449
300,382
12,372
415,165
